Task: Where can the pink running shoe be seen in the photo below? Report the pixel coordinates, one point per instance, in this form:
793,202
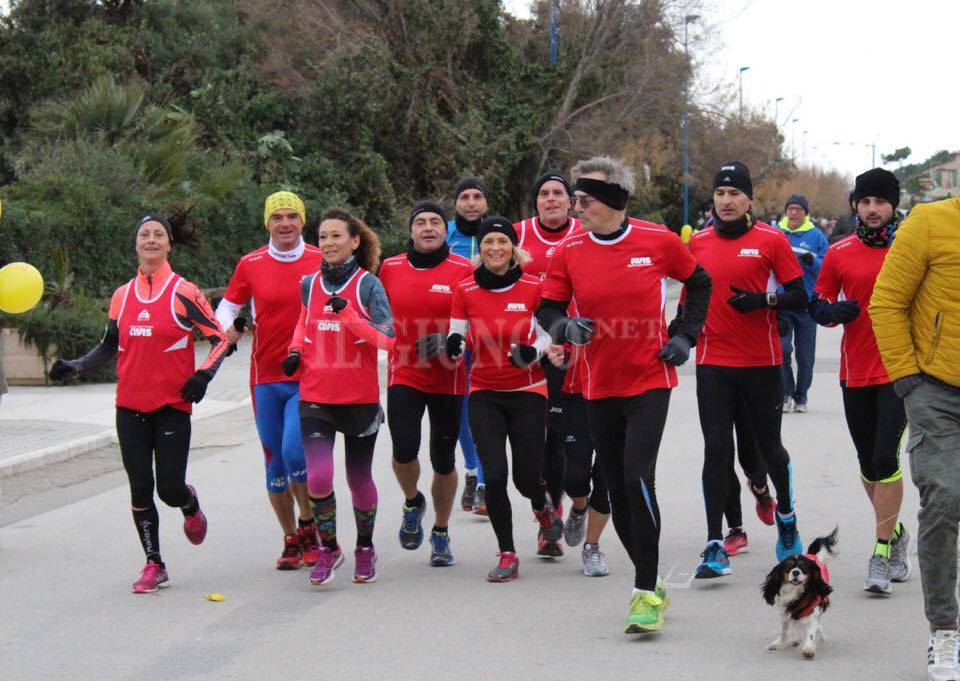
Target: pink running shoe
735,542
152,577
328,560
365,571
195,526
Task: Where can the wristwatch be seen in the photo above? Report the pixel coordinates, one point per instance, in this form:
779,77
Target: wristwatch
772,300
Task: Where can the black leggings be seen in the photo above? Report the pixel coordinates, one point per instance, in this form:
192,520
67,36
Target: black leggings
553,451
719,391
162,436
405,407
582,475
750,462
876,419
520,416
626,432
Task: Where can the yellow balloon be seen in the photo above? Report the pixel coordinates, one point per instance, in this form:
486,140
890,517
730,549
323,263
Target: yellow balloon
21,287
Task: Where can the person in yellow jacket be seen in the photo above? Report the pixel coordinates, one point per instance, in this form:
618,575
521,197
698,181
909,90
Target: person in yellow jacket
916,318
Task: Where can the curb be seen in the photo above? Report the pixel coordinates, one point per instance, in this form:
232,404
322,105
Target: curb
68,450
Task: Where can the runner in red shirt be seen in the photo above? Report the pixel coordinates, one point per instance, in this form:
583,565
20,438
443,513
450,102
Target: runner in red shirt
875,415
739,354
151,324
269,280
615,277
540,236
420,285
344,320
507,388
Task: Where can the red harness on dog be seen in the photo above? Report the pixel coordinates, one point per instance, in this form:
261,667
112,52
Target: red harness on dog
816,599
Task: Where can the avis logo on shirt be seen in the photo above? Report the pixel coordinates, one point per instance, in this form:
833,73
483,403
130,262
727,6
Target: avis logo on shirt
516,307
641,261
439,288
550,251
324,325
749,253
144,316
141,331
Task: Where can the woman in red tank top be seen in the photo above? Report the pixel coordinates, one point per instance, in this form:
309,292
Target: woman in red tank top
344,320
150,326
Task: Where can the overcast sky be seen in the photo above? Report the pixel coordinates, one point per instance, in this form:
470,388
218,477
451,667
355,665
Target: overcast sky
851,71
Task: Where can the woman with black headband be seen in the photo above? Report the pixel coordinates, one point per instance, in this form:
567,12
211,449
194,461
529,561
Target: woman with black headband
613,275
420,285
508,393
470,198
150,325
739,354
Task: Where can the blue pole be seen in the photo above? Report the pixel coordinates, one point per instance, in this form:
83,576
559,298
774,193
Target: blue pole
553,32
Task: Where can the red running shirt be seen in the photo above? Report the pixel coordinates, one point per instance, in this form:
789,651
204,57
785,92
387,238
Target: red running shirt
759,260
541,244
497,319
273,289
621,285
849,272
420,300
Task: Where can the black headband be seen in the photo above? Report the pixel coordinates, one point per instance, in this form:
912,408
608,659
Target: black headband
607,193
427,207
155,218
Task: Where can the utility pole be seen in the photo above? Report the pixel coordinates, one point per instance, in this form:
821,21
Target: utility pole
687,20
740,77
776,112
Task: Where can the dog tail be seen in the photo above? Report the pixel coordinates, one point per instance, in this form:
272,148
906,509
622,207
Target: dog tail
825,547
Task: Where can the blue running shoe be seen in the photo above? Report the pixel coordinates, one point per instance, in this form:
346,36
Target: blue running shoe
715,562
788,539
411,529
441,555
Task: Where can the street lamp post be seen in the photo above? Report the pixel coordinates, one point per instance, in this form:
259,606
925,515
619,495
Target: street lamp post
776,112
687,20
803,152
740,78
793,140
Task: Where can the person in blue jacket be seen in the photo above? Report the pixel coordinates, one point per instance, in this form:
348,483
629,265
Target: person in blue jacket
810,245
471,208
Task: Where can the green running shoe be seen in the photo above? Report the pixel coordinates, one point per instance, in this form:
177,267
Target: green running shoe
646,613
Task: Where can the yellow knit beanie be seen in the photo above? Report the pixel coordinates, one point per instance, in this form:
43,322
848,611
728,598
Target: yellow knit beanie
280,200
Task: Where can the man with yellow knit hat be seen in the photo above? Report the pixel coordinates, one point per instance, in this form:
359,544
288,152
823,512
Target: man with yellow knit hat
269,280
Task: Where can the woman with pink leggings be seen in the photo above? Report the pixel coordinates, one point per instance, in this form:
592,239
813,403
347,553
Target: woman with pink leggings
344,319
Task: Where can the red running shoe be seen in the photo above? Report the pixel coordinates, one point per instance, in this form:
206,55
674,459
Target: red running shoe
550,533
735,542
309,545
195,526
766,505
152,577
290,558
507,569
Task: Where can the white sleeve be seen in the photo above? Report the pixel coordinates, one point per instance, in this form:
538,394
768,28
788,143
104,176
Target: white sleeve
458,326
543,341
226,312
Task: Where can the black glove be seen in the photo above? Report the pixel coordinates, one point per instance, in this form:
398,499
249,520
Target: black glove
673,326
454,345
431,345
195,387
746,301
906,385
240,323
577,330
845,311
336,303
63,369
676,351
522,355
291,363
806,258
783,327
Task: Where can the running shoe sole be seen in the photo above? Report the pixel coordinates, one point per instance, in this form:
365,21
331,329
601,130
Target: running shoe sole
162,585
877,589
550,550
333,573
707,572
500,580
287,566
365,580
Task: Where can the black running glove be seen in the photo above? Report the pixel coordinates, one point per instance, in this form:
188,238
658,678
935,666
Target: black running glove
746,301
676,351
806,258
195,387
291,363
240,323
522,355
454,345
63,369
336,303
577,330
826,313
431,345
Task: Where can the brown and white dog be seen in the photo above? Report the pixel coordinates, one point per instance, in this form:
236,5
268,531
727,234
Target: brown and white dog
799,588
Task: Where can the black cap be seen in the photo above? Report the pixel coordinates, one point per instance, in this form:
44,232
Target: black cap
555,176
880,183
470,183
734,174
496,223
798,200
426,207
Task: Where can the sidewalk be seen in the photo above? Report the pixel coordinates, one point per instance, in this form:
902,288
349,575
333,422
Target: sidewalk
43,425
